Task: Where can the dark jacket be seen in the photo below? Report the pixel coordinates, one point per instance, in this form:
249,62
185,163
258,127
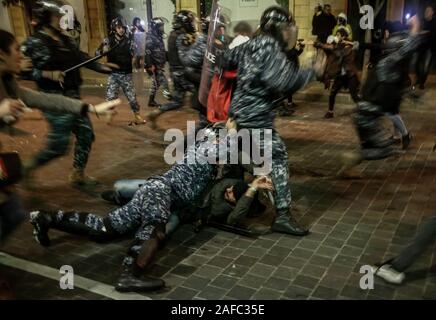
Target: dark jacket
388,78
264,72
340,61
48,54
324,25
155,53
192,57
121,52
174,41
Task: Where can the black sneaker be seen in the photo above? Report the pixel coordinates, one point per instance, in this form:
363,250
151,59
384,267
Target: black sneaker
329,115
406,141
41,225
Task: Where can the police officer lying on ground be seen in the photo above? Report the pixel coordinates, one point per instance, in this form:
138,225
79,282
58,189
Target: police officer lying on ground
226,201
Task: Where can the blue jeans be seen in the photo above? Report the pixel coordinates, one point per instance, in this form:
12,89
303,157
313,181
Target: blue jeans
125,189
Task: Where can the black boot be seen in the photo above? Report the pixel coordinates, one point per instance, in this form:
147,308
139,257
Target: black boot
41,221
406,141
152,102
287,224
130,280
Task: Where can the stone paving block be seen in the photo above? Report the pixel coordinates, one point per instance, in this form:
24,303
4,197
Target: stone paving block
267,294
182,293
212,293
252,281
271,260
261,269
241,293
225,282
297,293
230,252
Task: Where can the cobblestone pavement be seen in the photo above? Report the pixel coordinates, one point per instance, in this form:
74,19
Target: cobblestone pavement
354,222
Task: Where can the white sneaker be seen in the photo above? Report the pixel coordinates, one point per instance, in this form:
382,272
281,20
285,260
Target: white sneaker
389,274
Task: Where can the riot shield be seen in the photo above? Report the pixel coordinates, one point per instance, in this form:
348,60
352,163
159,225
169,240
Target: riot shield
217,42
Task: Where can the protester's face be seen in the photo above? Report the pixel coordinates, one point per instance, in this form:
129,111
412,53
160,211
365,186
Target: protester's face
328,9
341,21
229,195
339,36
120,30
12,60
429,13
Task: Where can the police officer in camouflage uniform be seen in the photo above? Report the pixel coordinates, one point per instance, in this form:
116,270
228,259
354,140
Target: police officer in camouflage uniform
264,72
155,60
183,34
51,52
120,46
147,213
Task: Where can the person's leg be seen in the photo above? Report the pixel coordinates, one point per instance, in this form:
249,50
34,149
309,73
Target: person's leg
58,142
371,134
353,86
153,90
178,93
425,236
130,93
154,208
160,73
112,90
12,214
124,190
284,221
337,85
427,62
85,137
393,270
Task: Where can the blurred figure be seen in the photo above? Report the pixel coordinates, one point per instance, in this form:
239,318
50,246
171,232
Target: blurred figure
343,23
243,32
341,67
384,89
183,35
51,52
120,48
156,58
14,100
315,19
325,23
424,57
139,38
393,271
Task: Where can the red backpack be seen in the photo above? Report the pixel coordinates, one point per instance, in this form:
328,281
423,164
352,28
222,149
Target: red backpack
220,96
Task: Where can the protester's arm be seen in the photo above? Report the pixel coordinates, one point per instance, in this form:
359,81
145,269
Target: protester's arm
243,205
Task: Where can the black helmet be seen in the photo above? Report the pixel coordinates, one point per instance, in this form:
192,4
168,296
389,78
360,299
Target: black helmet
44,9
184,19
157,25
205,22
274,20
118,22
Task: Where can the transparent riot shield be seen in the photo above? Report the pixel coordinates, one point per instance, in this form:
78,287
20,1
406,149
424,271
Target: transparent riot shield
217,43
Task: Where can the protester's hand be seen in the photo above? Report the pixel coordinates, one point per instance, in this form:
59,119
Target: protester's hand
57,75
263,182
11,107
105,108
415,25
26,64
231,124
112,65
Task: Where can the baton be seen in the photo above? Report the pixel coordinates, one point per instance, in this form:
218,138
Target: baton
91,60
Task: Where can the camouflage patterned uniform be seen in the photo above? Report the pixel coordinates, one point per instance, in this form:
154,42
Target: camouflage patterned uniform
151,205
181,83
50,55
122,55
263,73
156,57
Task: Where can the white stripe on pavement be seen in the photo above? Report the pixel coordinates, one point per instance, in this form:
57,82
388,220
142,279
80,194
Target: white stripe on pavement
79,282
